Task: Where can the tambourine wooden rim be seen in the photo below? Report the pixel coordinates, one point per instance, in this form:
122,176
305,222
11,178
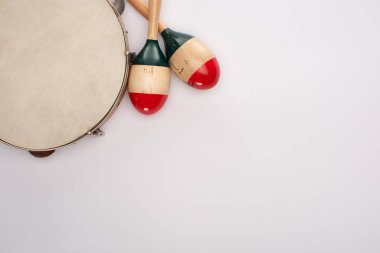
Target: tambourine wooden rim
95,129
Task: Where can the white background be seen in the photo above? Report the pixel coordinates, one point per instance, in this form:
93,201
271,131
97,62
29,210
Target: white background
282,157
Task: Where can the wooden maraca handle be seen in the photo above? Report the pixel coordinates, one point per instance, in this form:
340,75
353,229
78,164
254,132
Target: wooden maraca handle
143,9
154,17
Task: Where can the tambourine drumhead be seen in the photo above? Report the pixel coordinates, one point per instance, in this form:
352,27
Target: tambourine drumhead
62,70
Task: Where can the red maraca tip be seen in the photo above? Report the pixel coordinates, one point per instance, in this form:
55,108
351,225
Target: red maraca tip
147,104
206,76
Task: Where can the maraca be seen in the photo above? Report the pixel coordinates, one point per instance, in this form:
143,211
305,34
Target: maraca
149,78
191,60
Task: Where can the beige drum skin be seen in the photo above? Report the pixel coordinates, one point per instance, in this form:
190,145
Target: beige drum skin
63,70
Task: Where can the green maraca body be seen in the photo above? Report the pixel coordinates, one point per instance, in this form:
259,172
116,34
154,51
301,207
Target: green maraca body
191,60
149,79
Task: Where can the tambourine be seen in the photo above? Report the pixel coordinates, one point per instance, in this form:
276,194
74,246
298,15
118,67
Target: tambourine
63,71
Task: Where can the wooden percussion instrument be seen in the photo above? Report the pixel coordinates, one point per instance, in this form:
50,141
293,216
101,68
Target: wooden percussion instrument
149,78
63,71
191,60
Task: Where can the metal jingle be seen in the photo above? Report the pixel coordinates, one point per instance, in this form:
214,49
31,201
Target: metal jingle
119,5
